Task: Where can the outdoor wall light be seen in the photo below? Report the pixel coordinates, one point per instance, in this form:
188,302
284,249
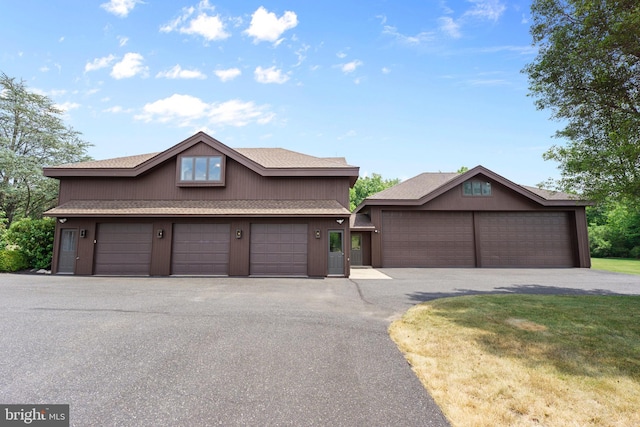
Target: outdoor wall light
160,233
83,233
238,233
62,220
340,221
317,234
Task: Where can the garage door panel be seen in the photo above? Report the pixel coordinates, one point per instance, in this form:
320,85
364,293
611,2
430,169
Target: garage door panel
428,239
123,249
278,249
201,249
525,239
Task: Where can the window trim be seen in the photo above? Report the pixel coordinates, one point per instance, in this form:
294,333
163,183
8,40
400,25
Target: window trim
200,183
484,184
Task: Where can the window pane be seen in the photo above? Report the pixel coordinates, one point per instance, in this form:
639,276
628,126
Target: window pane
215,164
467,191
186,169
486,188
356,242
201,169
477,188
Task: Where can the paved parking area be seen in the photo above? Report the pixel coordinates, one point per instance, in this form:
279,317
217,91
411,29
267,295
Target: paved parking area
236,351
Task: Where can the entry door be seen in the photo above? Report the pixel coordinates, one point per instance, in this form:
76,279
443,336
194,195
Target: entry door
336,252
356,249
68,250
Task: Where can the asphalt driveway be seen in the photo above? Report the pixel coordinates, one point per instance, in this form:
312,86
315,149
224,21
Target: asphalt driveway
236,351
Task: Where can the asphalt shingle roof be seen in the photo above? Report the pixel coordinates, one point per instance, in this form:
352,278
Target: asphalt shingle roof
199,208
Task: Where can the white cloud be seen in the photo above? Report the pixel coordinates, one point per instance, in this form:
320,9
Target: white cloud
228,74
178,73
266,26
341,55
122,41
116,109
486,9
450,27
419,39
270,75
238,113
120,8
385,70
98,63
130,66
210,27
350,67
68,106
185,110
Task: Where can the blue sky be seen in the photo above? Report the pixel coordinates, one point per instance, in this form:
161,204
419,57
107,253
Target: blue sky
397,87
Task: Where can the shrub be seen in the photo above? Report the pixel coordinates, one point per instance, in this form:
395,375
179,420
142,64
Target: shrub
34,238
12,260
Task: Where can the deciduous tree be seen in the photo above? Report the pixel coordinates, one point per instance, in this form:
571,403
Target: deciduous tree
32,135
366,186
587,73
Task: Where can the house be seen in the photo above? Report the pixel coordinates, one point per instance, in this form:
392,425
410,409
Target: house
202,208
473,219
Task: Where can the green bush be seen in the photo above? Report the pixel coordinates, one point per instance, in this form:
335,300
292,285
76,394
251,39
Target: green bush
34,238
11,260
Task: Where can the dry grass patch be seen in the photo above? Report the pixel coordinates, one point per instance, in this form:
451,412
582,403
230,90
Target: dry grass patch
527,360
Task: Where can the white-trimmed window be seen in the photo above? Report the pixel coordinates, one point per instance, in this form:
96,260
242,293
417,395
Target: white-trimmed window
476,188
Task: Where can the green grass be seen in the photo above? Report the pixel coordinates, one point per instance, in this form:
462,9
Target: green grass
510,360
617,265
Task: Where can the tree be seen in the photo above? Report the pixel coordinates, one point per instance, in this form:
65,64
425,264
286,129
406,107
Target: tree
587,73
32,135
365,187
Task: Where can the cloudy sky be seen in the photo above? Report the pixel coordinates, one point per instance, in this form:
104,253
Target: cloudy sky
397,87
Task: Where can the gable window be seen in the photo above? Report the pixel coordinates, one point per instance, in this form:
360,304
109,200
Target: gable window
201,170
476,188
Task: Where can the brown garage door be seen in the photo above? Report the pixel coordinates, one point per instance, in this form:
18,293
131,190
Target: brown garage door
525,239
200,249
427,239
123,249
278,249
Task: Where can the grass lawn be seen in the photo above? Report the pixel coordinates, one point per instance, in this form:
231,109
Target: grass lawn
618,265
523,360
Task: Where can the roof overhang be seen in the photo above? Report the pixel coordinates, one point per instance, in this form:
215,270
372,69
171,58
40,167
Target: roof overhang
478,170
199,208
153,160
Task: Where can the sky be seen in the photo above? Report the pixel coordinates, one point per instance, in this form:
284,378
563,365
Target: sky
397,87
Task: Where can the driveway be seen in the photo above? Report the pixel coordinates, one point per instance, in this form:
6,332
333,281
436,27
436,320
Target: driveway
236,351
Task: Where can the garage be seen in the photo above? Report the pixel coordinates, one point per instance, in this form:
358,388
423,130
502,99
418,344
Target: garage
427,239
123,249
278,250
200,249
525,239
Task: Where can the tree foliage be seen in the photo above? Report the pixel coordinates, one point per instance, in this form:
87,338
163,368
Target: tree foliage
587,73
367,186
614,230
32,135
33,238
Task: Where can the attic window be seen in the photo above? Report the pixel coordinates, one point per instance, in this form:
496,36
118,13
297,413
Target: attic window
201,170
476,188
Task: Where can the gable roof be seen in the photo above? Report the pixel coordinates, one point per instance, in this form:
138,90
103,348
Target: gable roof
427,186
264,161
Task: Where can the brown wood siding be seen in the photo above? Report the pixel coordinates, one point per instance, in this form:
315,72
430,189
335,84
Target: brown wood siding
241,184
525,239
427,239
123,249
200,249
279,249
